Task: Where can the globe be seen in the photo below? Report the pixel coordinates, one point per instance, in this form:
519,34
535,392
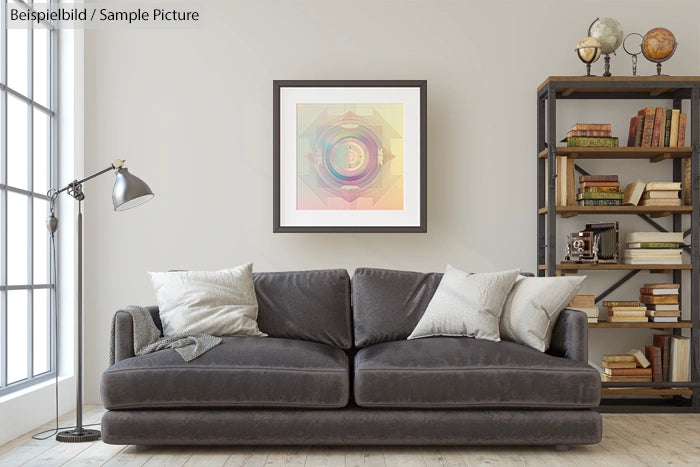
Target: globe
658,44
588,49
609,32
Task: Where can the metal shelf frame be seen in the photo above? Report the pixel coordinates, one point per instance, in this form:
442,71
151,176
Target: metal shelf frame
676,89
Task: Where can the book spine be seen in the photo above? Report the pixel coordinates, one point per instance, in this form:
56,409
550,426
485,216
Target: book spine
653,354
673,140
634,123
645,291
648,130
667,129
589,133
610,303
654,245
686,184
598,178
593,195
600,202
659,118
681,130
592,126
615,185
659,299
599,189
592,141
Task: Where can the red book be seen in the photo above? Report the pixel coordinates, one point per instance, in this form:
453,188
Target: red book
681,130
597,178
663,341
592,126
634,122
659,122
648,130
653,354
606,133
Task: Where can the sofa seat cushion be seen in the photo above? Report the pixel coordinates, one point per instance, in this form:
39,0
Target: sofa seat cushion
241,371
461,372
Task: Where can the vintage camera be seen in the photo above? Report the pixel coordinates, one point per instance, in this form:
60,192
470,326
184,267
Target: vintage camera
597,243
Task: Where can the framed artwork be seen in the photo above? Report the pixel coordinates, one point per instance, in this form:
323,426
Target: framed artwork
349,156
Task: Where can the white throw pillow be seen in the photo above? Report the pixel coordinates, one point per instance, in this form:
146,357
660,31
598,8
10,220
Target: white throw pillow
533,307
466,304
220,303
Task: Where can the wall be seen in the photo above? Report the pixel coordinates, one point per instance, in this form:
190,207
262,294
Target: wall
191,111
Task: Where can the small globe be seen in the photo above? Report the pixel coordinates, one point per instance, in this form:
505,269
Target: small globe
609,32
588,49
658,44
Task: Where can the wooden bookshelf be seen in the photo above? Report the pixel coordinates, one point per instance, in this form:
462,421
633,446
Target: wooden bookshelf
619,267
653,211
653,154
648,325
640,391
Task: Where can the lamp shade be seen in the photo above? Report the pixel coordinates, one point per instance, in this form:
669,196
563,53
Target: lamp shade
129,191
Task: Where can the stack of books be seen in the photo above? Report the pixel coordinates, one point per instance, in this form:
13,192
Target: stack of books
585,303
591,135
626,311
653,248
670,357
664,296
599,190
662,312
630,367
661,194
657,127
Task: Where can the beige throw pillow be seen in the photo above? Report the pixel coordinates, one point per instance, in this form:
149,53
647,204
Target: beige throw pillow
466,304
220,303
533,306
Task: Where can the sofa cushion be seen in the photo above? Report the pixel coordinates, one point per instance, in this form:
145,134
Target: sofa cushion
387,305
242,371
306,305
459,372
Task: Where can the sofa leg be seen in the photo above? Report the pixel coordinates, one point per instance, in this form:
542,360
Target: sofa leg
561,447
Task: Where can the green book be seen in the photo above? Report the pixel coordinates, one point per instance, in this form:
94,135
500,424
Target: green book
591,141
654,245
600,202
600,189
667,128
602,195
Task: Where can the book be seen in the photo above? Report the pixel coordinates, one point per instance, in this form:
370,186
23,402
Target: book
659,299
674,186
627,319
663,341
659,119
632,136
663,319
675,117
592,319
681,130
667,129
648,130
591,311
619,358
665,313
599,195
660,194
675,237
633,193
612,185
653,245
610,303
582,300
570,167
651,252
651,260
646,291
625,379
686,184
640,127
653,354
607,133
665,285
616,365
639,356
591,141
599,189
627,371
660,202
592,126
598,178
627,308
561,180
600,202
680,359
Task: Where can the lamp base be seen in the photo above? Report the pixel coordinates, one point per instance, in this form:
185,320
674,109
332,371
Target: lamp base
75,436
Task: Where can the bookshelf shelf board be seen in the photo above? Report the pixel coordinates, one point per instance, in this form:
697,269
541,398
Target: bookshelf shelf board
654,211
639,391
653,154
619,267
618,87
649,325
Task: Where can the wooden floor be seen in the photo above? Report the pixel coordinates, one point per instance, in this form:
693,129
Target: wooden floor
627,440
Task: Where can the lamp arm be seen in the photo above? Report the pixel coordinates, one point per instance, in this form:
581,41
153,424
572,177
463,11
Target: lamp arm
117,164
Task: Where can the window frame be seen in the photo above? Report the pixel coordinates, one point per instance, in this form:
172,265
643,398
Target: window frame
52,164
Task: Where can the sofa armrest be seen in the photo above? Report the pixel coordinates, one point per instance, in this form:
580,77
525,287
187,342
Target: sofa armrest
124,333
570,336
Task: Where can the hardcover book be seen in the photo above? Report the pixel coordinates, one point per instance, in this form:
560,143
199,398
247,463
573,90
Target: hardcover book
648,130
667,285
599,189
653,354
610,303
592,126
591,184
675,117
639,356
680,358
632,364
619,358
632,136
661,194
600,202
674,186
659,299
667,129
599,195
675,237
646,291
598,178
660,202
659,120
633,193
681,130
653,245
606,133
591,141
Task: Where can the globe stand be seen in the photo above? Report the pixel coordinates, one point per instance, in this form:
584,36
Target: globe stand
591,59
607,66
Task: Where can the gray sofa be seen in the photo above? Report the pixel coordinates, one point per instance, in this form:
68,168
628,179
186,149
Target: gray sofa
337,369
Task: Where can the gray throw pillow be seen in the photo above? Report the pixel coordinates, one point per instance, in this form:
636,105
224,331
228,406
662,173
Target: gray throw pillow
220,303
466,304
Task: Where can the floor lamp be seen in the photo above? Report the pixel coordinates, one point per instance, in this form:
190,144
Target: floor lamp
129,191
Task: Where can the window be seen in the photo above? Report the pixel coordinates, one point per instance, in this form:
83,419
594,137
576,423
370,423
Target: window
27,171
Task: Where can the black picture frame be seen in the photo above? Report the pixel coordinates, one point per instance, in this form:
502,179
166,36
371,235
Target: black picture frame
421,86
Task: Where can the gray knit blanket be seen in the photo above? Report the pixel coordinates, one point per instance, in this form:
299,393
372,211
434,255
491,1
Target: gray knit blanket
147,337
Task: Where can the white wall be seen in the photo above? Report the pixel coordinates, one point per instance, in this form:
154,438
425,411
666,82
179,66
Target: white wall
191,111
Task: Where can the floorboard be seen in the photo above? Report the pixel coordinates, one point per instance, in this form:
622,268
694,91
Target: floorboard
628,439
